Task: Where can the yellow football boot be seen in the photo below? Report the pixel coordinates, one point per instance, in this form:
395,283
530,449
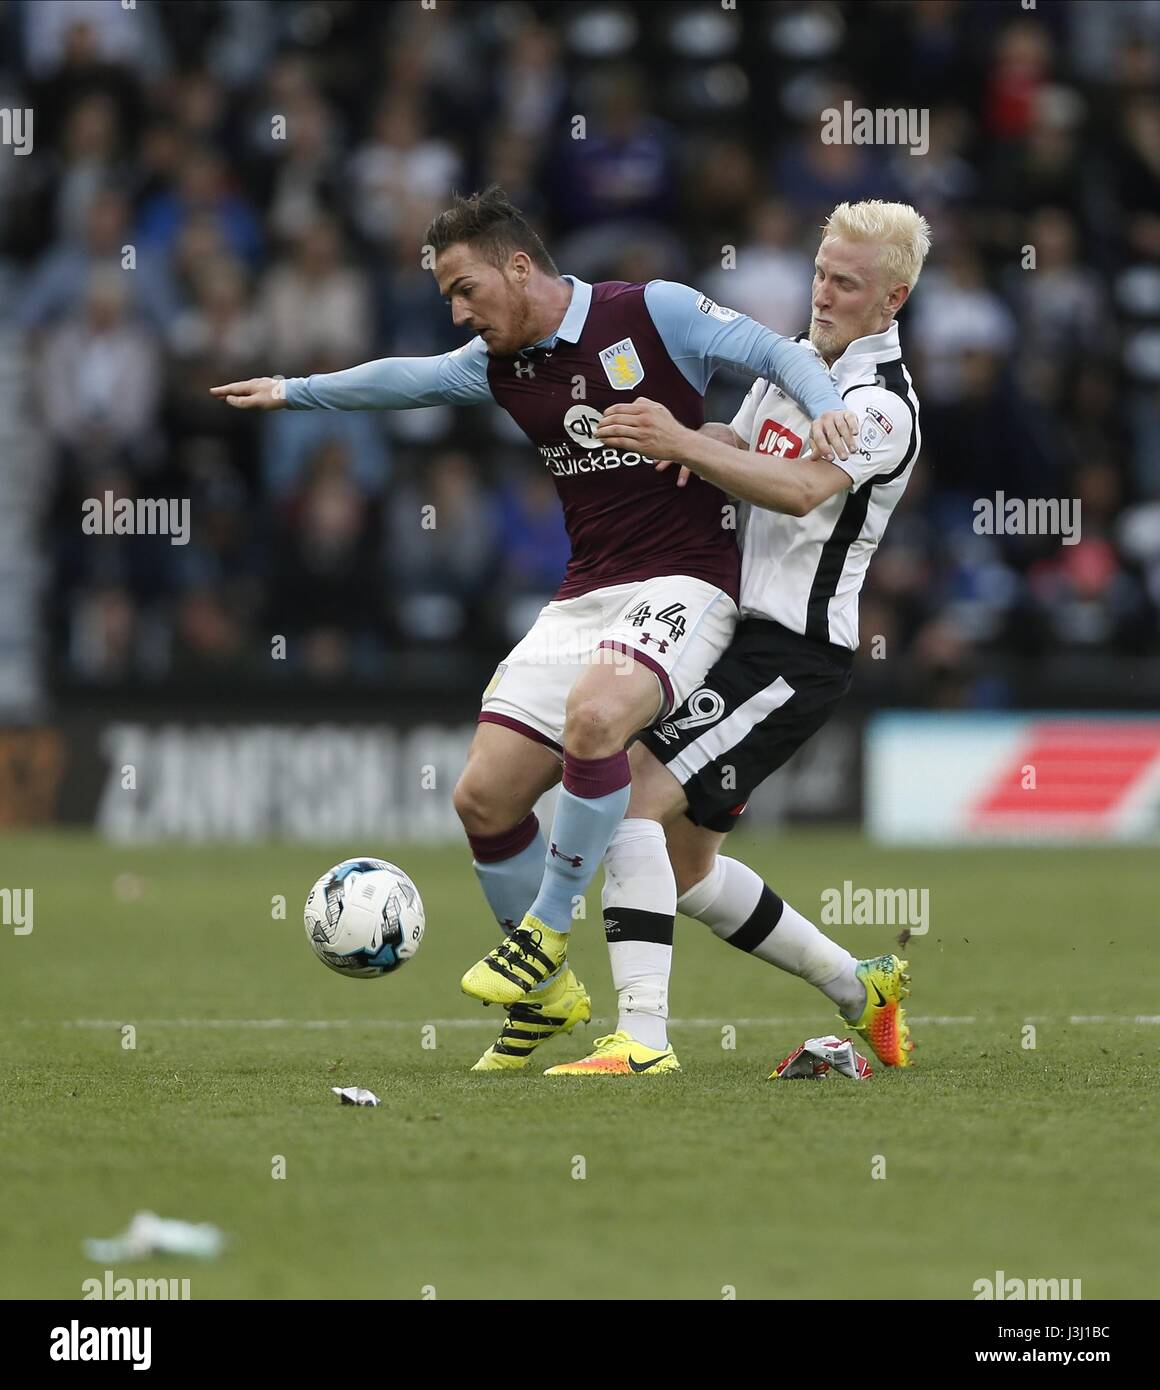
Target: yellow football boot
536,1018
883,1021
530,954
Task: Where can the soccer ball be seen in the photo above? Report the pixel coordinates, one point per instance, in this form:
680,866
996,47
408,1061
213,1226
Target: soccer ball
364,918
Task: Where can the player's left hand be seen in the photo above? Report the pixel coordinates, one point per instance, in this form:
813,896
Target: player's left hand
646,426
834,433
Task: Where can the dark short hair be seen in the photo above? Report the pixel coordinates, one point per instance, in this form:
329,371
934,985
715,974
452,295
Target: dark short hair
489,222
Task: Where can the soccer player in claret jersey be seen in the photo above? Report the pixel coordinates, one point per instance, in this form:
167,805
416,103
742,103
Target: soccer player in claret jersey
811,528
648,600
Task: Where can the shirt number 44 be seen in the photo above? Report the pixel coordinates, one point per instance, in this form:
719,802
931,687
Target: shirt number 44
671,616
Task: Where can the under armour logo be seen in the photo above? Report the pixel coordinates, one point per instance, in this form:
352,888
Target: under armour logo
524,369
662,642
574,859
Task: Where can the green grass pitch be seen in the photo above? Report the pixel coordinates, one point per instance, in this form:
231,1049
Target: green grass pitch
1040,1162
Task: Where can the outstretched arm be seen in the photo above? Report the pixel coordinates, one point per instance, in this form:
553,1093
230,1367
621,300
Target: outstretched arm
392,383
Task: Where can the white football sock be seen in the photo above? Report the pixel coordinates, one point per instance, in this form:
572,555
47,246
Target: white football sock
741,909
640,902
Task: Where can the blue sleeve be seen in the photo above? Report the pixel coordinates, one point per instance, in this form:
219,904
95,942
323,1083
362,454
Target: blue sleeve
397,383
701,336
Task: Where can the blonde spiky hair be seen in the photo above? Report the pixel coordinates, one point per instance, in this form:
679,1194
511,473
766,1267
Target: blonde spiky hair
902,232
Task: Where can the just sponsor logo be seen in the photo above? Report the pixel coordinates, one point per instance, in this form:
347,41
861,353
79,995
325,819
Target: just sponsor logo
858,125
1028,516
77,1343
848,906
109,515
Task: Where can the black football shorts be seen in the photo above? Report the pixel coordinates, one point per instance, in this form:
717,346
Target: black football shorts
769,692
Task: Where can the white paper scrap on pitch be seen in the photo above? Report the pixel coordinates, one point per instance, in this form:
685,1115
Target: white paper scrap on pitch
817,1056
150,1234
355,1095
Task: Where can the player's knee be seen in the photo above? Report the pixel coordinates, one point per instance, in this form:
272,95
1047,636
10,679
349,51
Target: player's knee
475,805
593,727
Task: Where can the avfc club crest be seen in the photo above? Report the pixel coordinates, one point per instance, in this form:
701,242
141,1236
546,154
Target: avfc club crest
622,365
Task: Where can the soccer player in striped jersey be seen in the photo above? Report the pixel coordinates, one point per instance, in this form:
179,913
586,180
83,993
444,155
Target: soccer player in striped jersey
652,581
811,528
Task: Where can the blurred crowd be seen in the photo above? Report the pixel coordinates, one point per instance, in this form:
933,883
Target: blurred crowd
220,190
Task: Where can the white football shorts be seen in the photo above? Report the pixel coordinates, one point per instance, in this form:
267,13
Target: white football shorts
675,625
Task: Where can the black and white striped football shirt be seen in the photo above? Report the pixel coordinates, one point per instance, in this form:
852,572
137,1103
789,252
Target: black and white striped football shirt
806,572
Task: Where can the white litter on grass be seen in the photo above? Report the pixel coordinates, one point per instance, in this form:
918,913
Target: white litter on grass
128,888
150,1234
816,1057
355,1095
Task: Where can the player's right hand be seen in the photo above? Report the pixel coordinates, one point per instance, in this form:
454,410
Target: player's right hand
259,393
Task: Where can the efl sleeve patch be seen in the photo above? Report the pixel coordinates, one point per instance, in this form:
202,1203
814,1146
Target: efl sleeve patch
883,439
875,427
715,310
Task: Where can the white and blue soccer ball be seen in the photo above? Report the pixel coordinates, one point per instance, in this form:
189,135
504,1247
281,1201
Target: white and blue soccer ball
364,918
